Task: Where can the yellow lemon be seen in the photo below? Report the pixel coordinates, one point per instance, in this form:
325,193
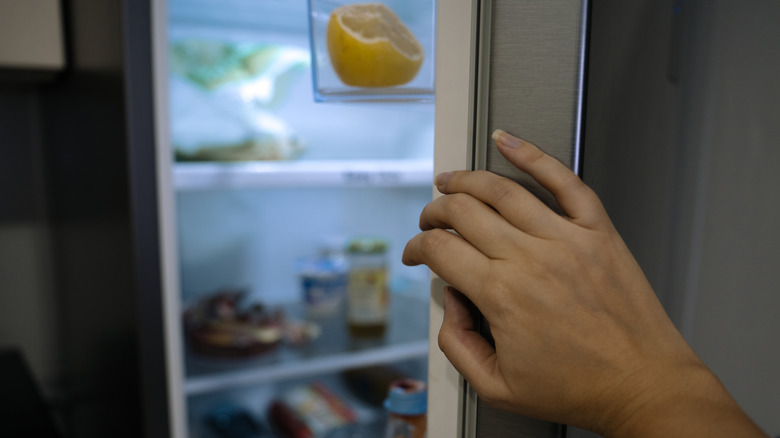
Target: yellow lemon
370,46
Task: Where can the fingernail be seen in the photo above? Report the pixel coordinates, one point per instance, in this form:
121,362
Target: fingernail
443,178
504,139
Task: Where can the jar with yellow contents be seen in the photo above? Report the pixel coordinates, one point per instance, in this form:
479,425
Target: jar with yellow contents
368,297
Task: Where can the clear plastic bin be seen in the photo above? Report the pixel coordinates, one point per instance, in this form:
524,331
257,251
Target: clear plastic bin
417,15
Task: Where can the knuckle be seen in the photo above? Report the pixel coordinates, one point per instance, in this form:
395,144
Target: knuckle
502,189
572,183
433,240
532,155
458,204
490,392
443,340
447,339
495,290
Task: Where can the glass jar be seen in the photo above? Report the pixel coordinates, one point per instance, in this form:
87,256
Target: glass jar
367,292
406,403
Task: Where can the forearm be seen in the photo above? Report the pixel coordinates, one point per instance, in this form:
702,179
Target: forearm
693,403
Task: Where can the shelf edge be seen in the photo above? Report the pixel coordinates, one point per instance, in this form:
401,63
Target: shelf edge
324,365
341,174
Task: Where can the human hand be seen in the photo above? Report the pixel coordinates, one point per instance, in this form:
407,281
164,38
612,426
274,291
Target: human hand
580,337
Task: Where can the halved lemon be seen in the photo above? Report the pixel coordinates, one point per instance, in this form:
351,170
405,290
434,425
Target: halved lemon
369,46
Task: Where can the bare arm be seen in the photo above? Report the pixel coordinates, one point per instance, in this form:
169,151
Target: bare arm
580,337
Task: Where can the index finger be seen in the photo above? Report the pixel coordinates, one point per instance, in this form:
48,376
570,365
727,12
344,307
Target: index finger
576,199
512,201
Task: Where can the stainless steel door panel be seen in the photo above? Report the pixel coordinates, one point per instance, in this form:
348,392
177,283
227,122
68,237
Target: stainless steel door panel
529,83
530,79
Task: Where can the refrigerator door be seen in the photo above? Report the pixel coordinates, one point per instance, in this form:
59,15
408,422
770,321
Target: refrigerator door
339,171
518,68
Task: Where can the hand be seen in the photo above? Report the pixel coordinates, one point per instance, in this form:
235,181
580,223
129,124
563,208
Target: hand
580,337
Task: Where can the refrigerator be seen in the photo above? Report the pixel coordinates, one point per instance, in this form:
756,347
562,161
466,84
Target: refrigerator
611,90
517,66
344,162
536,69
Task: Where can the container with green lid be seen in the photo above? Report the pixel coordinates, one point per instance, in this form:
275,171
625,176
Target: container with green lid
367,245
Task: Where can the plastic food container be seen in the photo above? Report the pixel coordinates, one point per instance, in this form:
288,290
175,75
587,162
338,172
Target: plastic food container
323,283
419,16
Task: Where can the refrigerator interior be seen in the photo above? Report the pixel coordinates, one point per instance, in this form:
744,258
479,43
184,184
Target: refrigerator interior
308,174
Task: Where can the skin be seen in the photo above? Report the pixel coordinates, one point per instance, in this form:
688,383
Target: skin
580,337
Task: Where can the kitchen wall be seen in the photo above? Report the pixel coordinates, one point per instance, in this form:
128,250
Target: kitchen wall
27,309
68,295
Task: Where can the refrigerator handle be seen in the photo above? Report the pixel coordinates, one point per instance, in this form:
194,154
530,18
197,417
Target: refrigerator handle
530,81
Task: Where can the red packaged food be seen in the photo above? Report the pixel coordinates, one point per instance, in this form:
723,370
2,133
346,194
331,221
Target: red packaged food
309,411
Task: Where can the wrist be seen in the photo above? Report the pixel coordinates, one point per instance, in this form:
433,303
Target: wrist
686,401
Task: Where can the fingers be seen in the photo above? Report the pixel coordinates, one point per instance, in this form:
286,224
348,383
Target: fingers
452,258
576,199
469,352
473,220
514,203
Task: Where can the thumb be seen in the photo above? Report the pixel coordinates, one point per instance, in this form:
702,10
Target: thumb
467,350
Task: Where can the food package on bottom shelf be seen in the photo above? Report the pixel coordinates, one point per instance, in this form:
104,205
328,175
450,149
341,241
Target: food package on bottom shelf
371,384
309,411
223,97
233,421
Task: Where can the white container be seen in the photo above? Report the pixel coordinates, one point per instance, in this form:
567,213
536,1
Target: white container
323,283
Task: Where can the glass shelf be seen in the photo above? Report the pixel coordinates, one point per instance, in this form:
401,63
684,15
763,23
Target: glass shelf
334,350
265,174
254,14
